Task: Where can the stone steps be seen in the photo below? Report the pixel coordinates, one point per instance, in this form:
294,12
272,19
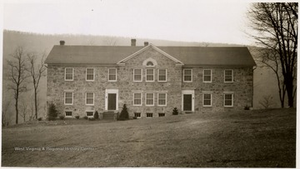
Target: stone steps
108,116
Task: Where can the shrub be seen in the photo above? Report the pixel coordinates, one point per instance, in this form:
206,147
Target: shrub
96,115
61,117
85,117
247,107
77,117
40,119
175,111
52,112
124,113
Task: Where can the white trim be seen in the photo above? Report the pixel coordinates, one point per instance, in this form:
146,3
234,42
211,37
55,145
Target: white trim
210,76
146,73
113,91
154,47
166,96
72,73
231,76
65,98
165,74
116,75
203,93
192,92
86,75
146,99
134,98
134,75
232,100
86,98
191,75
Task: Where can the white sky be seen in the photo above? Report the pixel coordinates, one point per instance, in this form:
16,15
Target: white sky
180,20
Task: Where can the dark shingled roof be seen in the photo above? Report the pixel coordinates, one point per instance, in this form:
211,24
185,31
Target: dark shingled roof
222,56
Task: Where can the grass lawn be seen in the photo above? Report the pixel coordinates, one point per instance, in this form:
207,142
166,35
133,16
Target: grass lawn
260,138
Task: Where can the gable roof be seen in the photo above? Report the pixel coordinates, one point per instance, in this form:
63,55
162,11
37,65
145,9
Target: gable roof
111,55
155,48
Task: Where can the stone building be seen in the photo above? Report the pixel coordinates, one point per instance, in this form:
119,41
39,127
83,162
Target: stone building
150,80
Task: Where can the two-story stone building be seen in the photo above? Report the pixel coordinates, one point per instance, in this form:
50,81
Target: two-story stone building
150,80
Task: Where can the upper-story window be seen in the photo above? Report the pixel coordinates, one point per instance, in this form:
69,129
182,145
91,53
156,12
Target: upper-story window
69,74
207,75
187,75
89,98
68,98
162,75
137,75
149,75
112,75
90,74
228,76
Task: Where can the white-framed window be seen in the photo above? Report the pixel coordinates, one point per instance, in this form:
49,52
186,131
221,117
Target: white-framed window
137,75
69,74
162,75
89,98
68,98
89,113
68,113
137,99
149,99
228,99
161,114
137,114
207,75
150,75
228,76
112,75
149,114
161,99
187,75
207,99
90,74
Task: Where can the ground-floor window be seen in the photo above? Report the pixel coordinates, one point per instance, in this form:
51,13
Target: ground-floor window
162,99
207,100
137,114
90,113
68,98
228,99
69,113
149,99
137,99
149,114
161,114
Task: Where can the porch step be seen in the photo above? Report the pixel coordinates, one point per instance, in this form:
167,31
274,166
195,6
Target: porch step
108,116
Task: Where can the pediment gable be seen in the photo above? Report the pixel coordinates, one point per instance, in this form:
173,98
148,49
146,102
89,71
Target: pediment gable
148,47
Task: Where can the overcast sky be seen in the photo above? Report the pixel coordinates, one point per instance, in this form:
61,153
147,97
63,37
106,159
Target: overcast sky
180,20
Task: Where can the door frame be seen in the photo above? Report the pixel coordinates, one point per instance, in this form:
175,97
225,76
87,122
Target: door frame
111,91
192,92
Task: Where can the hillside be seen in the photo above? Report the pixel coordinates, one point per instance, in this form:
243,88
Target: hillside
43,43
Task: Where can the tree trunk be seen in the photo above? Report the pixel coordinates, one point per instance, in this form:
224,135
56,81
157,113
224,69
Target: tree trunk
35,104
290,91
17,106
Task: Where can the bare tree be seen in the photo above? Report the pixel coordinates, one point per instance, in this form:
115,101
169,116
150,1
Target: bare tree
5,118
110,41
17,76
36,71
276,30
23,110
267,102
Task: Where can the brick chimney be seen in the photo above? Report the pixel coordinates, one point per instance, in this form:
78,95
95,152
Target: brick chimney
133,42
62,42
146,43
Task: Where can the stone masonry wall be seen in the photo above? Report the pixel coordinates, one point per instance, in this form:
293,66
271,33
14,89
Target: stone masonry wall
241,87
